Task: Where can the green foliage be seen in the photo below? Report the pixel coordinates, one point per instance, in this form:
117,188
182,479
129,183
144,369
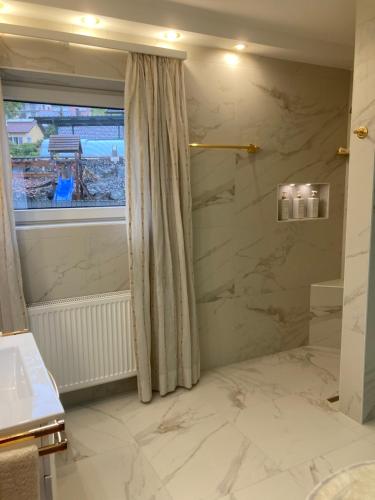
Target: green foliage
98,111
50,130
12,109
24,150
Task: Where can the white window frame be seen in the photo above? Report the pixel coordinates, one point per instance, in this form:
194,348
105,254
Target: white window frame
66,95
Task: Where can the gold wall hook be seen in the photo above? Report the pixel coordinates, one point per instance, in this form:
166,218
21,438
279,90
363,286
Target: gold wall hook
361,132
343,151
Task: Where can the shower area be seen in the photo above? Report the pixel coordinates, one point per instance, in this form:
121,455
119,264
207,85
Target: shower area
264,284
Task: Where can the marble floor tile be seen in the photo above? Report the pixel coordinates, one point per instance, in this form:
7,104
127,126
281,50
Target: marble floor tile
184,437
120,474
307,371
260,430
309,474
292,430
279,487
89,433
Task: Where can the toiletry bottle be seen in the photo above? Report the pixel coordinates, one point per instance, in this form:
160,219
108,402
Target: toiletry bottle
284,206
313,205
298,207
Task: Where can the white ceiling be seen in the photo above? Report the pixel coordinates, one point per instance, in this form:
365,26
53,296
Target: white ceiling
312,31
328,20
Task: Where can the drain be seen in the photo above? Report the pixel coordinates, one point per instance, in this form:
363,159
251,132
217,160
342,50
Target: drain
333,399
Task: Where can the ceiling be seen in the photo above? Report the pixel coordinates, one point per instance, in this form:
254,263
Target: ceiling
329,20
312,31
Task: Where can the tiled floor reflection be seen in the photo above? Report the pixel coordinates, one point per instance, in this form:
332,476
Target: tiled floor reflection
261,429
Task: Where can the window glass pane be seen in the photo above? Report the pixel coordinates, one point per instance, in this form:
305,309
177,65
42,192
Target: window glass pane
65,156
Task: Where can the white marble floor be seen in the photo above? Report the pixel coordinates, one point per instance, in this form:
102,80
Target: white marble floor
261,429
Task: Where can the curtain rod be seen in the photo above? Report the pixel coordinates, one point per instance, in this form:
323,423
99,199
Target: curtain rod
91,41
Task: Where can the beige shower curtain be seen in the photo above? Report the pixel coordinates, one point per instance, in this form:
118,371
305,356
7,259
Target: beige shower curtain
160,225
12,304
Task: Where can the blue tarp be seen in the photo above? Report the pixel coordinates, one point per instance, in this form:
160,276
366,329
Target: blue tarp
90,148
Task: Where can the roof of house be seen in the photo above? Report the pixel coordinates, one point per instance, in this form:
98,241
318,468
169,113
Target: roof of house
94,132
18,126
90,149
64,143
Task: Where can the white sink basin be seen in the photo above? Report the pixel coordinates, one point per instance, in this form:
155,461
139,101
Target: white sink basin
13,379
27,395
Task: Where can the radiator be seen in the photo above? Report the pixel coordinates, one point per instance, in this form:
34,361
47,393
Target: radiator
85,341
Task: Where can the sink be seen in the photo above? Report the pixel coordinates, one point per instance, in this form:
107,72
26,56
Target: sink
27,395
13,378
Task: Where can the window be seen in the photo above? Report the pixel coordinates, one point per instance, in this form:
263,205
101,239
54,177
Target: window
65,158
15,139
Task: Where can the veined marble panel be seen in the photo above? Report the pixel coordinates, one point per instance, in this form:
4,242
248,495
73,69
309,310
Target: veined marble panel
357,381
243,327
260,429
326,313
253,273
71,261
58,57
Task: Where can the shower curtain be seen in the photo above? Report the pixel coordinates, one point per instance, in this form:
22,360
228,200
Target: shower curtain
160,226
12,303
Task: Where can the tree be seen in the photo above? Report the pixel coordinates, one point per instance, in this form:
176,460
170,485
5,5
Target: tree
13,109
24,150
51,129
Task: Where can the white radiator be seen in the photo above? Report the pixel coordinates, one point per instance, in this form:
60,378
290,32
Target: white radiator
85,341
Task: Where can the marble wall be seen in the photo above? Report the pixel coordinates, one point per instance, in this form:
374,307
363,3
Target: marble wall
253,274
71,261
357,379
326,313
57,57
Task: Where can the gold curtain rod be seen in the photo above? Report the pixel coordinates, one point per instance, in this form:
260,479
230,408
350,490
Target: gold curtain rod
250,148
55,428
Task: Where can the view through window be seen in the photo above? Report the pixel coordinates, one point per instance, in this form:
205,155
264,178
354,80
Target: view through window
65,156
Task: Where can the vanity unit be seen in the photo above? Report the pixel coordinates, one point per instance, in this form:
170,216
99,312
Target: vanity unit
30,410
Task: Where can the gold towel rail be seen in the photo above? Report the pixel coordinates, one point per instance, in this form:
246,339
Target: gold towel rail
250,148
55,428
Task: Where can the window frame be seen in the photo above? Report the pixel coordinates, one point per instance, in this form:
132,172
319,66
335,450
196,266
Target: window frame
70,96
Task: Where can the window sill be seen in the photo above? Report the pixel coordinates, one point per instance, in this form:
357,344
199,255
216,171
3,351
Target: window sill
69,216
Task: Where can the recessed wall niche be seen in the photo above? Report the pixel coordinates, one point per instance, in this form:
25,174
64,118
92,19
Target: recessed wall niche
302,201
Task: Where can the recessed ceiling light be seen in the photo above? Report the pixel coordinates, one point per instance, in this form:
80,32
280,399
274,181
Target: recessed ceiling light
231,59
171,36
240,46
90,21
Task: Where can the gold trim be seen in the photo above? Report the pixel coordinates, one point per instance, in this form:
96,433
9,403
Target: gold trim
57,428
60,445
343,151
250,148
361,132
15,332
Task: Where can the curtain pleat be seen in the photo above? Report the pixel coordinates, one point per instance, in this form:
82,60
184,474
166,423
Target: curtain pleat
160,225
12,304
